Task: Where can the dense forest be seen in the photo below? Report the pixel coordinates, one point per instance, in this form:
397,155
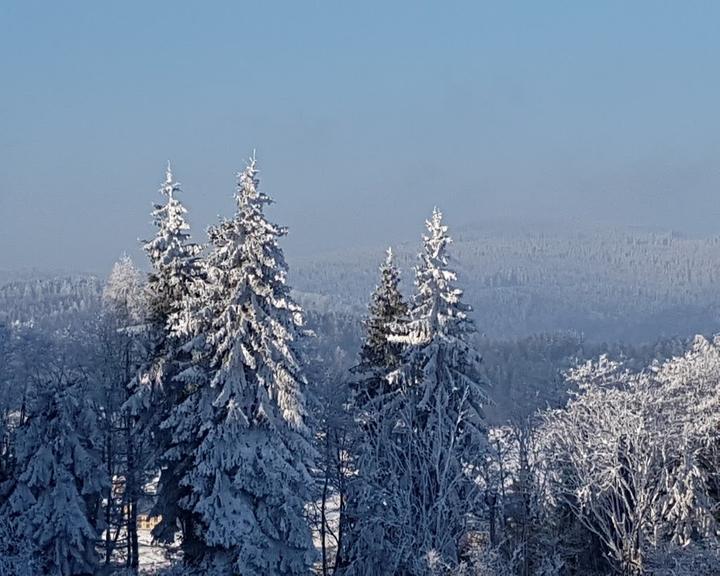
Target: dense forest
610,284
511,403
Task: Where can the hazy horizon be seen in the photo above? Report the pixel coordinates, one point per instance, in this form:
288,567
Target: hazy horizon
298,260
363,117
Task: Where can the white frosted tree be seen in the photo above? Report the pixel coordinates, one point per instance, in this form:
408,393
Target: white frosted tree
378,355
688,411
55,503
173,256
176,269
596,452
443,420
434,425
124,345
176,272
123,294
250,478
635,457
189,410
366,546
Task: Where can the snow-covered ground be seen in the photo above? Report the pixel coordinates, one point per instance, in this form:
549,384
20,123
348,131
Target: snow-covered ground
152,556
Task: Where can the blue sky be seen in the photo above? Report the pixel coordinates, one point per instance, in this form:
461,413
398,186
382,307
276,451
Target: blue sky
364,116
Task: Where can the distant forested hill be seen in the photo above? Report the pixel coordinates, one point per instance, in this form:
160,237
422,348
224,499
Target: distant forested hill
55,302
604,284
608,284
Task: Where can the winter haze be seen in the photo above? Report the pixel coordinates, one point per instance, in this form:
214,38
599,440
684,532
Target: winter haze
359,289
364,115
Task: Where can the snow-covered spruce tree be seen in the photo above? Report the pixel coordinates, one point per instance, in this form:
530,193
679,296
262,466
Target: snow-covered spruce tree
365,548
157,388
18,556
250,475
172,282
190,407
441,426
55,503
174,258
378,355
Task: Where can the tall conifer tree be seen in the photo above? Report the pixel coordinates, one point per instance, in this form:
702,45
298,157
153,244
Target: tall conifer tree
60,481
161,386
250,478
444,425
431,428
378,355
367,545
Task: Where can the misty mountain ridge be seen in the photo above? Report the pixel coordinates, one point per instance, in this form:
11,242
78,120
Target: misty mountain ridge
608,284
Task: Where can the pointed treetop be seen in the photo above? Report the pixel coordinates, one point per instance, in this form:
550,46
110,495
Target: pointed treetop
437,240
386,311
169,187
248,195
247,180
437,308
436,227
249,166
174,258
